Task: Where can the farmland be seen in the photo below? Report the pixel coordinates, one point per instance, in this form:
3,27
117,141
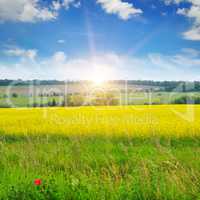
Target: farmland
111,152
78,95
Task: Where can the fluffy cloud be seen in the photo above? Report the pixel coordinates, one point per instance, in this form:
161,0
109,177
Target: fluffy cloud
25,11
194,13
184,66
193,33
56,5
67,3
32,10
59,57
22,53
36,10
124,10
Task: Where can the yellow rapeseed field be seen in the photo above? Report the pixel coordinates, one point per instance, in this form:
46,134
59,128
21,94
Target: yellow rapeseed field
167,120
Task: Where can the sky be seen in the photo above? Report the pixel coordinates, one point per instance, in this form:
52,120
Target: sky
100,39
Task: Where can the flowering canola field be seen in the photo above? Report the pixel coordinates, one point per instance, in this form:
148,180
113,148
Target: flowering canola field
136,121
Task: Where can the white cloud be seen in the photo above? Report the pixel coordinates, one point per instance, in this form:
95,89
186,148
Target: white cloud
59,57
22,53
168,2
124,10
32,10
191,52
61,41
25,11
184,66
181,11
56,5
182,62
193,33
77,5
67,3
193,12
35,10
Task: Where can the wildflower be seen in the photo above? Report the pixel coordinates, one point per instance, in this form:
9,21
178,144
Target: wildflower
37,182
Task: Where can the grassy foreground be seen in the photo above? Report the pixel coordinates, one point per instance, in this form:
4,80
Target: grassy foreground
140,152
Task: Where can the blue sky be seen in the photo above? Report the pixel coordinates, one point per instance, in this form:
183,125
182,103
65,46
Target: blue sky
107,39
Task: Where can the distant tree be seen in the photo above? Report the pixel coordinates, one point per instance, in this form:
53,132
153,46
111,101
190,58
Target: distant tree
184,100
197,100
54,103
75,100
105,99
184,87
14,95
49,103
35,104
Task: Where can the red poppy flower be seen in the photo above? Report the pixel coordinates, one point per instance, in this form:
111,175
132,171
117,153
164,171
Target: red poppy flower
37,182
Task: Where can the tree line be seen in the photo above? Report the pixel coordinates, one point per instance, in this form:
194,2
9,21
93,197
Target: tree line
163,85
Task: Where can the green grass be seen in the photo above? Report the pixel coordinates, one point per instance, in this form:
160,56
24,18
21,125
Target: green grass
99,168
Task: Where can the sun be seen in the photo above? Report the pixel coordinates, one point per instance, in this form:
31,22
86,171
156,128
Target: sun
98,79
100,74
